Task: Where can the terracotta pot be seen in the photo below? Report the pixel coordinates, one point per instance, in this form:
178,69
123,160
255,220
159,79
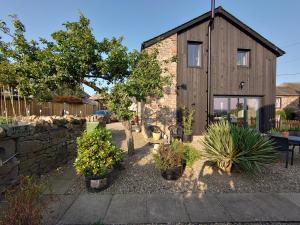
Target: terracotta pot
156,136
285,134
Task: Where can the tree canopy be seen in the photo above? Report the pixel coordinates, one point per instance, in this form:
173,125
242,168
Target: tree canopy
73,56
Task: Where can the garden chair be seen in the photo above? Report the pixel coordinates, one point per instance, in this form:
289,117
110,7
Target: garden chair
282,145
176,133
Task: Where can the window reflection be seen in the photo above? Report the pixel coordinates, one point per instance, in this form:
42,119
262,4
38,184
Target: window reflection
242,111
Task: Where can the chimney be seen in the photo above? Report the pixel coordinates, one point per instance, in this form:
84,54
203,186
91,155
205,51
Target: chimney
212,9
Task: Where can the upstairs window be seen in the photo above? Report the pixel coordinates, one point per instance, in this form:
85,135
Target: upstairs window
243,57
194,54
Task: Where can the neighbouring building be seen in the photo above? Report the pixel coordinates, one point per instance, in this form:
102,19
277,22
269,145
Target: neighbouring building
288,97
242,81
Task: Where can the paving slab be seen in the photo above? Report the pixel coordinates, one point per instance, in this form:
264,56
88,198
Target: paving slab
293,197
166,208
58,186
278,207
125,209
243,207
205,208
88,208
56,207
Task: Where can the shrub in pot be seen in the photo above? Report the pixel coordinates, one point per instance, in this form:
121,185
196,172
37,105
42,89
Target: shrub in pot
231,146
96,158
187,124
172,159
170,162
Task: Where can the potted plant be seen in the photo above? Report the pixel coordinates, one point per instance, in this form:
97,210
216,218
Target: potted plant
241,148
170,161
156,133
284,132
187,123
96,158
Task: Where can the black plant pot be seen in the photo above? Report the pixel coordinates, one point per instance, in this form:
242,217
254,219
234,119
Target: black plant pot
173,173
97,183
187,138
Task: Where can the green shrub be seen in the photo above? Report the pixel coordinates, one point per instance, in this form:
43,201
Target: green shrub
227,144
190,154
290,113
4,120
96,153
187,120
168,157
173,155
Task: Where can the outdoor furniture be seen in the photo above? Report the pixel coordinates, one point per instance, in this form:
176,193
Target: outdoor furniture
176,132
283,144
293,141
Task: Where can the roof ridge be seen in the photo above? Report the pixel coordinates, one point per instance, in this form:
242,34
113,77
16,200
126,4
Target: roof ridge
222,12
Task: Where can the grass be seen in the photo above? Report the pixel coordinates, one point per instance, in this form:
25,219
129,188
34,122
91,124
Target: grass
90,126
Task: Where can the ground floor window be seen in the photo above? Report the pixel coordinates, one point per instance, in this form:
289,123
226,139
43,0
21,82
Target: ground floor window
241,110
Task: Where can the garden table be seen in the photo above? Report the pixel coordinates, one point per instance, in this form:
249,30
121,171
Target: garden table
293,141
283,144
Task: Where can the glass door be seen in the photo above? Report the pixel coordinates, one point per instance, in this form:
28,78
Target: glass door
237,111
242,111
253,106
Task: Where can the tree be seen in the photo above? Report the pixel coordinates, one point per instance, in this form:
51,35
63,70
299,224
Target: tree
145,82
72,57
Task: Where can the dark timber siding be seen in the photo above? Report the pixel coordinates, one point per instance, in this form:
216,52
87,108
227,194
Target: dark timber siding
195,79
259,78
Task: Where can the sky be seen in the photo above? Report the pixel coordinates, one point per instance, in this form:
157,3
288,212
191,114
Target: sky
140,20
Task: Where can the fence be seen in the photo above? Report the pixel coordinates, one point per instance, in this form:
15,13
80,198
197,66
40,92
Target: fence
288,124
22,107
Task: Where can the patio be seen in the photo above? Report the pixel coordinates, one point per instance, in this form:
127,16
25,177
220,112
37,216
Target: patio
139,194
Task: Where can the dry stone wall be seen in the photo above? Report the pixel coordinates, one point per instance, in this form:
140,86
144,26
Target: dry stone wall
37,146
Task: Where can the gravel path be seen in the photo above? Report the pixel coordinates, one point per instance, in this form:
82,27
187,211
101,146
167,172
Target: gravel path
141,176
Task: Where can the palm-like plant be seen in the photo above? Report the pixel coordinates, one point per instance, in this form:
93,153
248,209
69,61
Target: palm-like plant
227,145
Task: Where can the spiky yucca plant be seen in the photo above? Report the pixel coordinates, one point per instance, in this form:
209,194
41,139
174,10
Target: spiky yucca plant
227,145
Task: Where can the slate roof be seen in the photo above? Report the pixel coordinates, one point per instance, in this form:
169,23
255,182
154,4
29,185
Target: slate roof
226,15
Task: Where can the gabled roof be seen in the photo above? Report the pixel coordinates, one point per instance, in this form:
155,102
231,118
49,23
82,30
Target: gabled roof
288,89
206,16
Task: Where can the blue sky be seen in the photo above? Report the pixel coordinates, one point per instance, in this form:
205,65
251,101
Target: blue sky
140,20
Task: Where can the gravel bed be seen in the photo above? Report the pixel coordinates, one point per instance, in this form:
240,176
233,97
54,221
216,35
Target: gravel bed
141,176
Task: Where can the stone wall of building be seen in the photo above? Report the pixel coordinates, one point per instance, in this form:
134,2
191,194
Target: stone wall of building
37,146
289,102
162,112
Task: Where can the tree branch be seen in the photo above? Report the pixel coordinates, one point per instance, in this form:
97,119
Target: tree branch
92,85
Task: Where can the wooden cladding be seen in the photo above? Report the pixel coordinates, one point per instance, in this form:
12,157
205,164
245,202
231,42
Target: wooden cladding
257,71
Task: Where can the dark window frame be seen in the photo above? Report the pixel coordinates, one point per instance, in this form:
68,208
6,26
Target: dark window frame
201,54
247,51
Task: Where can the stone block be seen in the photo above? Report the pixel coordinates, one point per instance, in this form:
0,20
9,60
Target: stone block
29,146
10,148
167,208
87,209
126,209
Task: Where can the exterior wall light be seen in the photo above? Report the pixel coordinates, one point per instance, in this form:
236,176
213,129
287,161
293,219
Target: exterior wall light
242,84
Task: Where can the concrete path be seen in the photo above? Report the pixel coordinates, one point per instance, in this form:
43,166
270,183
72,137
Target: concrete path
90,208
